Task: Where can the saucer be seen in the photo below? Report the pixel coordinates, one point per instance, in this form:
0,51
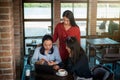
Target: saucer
66,73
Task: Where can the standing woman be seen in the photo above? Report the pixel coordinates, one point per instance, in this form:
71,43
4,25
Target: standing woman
64,29
77,63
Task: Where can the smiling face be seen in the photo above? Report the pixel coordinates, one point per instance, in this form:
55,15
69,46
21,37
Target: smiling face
47,44
66,21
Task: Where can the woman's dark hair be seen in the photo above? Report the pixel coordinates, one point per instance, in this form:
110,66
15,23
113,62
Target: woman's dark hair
46,37
76,49
70,16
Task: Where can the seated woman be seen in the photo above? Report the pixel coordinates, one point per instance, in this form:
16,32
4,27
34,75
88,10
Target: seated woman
46,54
77,62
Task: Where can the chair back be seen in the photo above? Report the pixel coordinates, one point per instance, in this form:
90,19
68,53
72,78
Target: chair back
101,72
111,53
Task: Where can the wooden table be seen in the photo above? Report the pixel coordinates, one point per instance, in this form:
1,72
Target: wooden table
44,76
106,42
102,42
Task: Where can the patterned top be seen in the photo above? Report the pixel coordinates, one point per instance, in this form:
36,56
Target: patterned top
62,34
49,57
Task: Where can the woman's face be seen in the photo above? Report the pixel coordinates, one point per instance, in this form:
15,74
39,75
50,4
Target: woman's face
47,44
66,21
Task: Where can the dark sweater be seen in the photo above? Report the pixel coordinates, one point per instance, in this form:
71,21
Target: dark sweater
81,68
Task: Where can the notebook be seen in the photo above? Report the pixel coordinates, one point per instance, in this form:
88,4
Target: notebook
39,69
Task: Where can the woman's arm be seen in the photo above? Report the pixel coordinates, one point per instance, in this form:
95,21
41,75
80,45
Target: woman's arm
35,56
57,55
55,35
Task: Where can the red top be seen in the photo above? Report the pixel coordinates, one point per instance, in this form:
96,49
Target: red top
62,34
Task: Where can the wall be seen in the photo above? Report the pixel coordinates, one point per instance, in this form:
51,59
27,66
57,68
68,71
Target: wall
7,62
92,17
18,36
11,39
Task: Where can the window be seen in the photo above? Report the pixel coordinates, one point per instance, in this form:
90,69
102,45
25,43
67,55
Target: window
108,15
37,22
37,10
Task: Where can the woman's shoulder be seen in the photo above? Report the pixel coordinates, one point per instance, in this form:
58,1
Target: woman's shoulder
37,48
59,24
55,47
75,27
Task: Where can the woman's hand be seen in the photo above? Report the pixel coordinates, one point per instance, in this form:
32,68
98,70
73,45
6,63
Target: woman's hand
51,63
56,67
41,61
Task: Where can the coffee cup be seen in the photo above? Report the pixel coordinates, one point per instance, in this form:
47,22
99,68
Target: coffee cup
28,72
62,72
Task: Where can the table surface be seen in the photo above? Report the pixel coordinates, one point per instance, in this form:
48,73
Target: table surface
44,76
106,42
102,41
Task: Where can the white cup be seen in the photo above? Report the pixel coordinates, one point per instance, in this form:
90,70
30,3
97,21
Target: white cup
62,72
27,72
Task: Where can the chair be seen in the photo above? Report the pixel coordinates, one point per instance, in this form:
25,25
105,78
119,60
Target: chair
101,72
31,52
116,35
109,55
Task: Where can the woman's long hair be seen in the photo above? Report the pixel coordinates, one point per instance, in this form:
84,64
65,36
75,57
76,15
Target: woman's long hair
76,49
42,49
70,16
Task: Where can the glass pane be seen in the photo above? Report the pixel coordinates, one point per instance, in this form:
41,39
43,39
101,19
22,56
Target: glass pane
79,9
108,10
30,46
36,40
65,6
107,27
82,26
37,10
37,28
109,0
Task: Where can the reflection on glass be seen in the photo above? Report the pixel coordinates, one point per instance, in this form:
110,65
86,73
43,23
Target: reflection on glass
82,26
79,9
108,10
37,10
107,27
37,28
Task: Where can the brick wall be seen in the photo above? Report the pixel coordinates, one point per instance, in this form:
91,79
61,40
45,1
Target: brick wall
11,39
7,62
18,36
92,17
56,12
